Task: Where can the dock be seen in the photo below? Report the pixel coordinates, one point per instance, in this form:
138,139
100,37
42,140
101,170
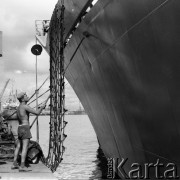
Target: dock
36,171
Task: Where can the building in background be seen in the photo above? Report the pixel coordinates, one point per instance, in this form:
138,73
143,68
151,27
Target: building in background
0,43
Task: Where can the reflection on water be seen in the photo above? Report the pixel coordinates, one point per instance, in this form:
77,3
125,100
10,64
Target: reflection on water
83,159
101,167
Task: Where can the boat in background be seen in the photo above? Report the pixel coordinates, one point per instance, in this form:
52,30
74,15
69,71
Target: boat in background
125,71
10,106
79,111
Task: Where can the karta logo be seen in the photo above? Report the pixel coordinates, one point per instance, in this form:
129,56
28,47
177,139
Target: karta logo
138,171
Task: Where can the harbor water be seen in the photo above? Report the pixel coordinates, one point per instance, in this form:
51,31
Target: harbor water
81,157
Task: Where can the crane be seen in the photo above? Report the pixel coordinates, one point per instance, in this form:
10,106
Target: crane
2,92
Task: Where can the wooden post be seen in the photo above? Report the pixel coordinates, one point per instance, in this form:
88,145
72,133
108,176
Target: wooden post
37,123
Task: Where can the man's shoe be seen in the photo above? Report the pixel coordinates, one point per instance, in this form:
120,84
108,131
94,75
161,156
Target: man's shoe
23,169
14,167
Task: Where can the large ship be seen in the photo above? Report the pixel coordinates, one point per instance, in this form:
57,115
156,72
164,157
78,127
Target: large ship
122,59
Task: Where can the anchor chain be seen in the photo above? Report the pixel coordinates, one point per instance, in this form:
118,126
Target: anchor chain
57,89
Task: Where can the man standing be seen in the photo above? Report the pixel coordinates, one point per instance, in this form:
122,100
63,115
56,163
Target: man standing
24,134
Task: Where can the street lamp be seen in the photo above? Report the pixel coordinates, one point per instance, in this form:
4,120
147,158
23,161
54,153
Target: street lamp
36,50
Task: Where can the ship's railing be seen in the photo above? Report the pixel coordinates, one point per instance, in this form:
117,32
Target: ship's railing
42,27
79,19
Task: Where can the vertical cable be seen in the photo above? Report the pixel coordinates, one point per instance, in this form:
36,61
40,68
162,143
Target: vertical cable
37,123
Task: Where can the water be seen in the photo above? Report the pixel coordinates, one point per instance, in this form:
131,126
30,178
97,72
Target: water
80,158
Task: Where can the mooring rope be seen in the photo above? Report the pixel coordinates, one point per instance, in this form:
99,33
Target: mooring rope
39,113
38,88
39,96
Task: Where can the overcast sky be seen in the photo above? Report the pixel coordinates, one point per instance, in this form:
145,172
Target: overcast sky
17,21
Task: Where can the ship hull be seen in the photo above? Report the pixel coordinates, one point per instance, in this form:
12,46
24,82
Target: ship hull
126,75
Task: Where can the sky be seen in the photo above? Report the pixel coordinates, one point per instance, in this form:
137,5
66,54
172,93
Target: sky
17,21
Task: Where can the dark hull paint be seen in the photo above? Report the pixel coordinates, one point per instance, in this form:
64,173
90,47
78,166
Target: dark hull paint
127,77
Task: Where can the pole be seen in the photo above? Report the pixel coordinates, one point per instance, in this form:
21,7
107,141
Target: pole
37,123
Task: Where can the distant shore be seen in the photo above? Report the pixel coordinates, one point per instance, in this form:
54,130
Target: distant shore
68,113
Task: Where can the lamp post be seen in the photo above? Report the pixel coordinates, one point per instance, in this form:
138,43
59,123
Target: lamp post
37,123
36,50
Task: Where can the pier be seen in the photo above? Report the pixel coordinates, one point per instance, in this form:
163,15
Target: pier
35,172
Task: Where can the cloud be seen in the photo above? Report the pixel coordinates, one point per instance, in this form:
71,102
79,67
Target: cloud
29,60
18,25
17,19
